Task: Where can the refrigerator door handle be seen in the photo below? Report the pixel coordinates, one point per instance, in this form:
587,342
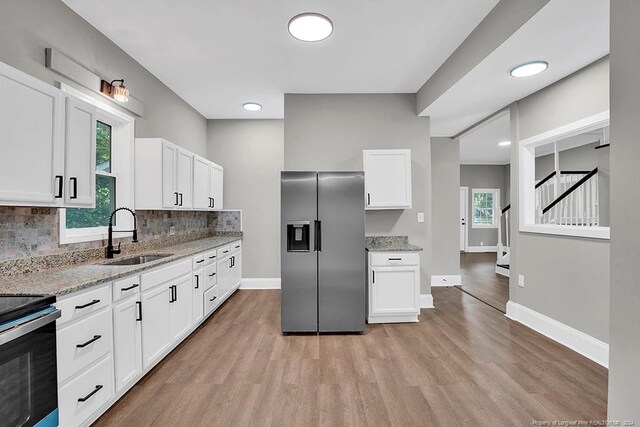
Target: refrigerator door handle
318,240
315,235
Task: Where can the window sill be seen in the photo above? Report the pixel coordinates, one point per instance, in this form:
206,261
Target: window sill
483,226
567,230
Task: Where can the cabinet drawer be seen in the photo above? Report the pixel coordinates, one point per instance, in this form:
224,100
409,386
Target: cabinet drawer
82,343
210,275
83,396
126,287
211,257
224,252
236,246
165,274
394,258
198,261
211,300
83,304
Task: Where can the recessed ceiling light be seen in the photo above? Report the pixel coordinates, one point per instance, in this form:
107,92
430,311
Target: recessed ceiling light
310,27
504,143
529,69
252,106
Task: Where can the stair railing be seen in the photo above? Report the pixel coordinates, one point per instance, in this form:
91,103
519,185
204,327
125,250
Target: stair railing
577,202
504,243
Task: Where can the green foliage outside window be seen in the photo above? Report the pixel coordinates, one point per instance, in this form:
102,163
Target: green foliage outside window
483,212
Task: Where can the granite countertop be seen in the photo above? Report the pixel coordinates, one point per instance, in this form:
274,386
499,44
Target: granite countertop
81,276
390,244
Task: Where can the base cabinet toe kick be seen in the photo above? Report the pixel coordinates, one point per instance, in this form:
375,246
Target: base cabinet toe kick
109,336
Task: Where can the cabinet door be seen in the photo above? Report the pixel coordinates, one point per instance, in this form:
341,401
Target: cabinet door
156,336
216,186
201,183
387,179
181,309
198,292
170,197
31,163
184,175
80,154
395,290
224,273
127,343
236,270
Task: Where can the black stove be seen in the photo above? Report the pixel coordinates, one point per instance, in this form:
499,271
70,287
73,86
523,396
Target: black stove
15,306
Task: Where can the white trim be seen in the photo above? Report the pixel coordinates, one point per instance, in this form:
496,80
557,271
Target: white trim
482,249
466,216
393,318
260,283
578,341
567,230
450,280
487,163
426,301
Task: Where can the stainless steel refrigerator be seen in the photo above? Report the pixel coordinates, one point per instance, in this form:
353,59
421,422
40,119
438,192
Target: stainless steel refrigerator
323,254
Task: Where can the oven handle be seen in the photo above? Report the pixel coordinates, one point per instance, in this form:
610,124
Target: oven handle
27,327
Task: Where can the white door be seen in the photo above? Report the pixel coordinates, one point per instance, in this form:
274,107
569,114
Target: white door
201,183
394,290
216,186
31,159
181,310
464,212
184,179
198,292
127,342
387,179
170,197
80,153
155,324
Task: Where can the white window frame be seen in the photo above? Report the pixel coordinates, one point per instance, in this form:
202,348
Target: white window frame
122,138
527,164
496,207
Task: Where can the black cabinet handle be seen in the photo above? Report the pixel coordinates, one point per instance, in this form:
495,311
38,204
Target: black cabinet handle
180,200
374,277
395,259
213,299
135,285
175,293
89,304
200,261
175,193
212,257
237,246
213,202
74,182
197,281
88,396
139,318
231,262
60,180
92,340
225,252
212,274
368,198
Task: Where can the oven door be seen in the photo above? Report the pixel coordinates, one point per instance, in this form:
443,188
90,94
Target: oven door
28,376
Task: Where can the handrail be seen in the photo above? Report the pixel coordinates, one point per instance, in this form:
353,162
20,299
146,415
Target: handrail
602,146
506,208
570,190
552,174
546,178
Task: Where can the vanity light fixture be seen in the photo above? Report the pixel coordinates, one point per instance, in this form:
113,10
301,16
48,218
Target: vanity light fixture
504,143
115,90
529,69
310,27
252,106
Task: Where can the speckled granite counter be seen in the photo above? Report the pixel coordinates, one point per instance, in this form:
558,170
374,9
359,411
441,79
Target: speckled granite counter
70,279
390,244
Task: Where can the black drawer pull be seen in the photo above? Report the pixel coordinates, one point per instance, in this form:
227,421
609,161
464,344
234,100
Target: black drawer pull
199,261
212,274
135,285
92,340
212,257
213,299
88,396
237,246
89,304
395,259
225,252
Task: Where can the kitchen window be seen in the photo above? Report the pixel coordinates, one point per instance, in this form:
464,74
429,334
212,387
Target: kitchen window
484,207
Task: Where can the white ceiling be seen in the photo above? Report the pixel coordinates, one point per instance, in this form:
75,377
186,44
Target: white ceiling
219,54
480,146
569,34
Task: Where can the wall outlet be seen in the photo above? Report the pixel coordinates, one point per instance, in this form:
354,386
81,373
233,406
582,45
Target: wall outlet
521,280
420,217
481,243
172,230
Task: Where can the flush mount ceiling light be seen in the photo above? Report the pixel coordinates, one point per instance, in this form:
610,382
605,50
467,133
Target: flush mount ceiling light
529,69
115,90
310,27
252,106
504,143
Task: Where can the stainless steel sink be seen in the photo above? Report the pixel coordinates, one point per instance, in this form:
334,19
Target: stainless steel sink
136,260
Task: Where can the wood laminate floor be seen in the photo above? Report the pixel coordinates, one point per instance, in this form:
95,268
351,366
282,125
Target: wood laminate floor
479,279
464,364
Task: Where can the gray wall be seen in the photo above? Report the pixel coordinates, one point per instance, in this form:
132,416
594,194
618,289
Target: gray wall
252,153
27,27
624,374
582,158
445,185
484,176
329,132
566,278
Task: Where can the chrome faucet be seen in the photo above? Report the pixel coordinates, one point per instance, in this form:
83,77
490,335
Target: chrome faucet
134,238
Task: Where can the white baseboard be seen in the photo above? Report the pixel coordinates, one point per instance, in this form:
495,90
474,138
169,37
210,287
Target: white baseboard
451,280
482,249
260,283
578,341
426,301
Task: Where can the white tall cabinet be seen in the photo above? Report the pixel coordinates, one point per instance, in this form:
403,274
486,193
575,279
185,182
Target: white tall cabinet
387,177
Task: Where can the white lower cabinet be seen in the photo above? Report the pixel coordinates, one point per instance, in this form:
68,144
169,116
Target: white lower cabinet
181,310
155,324
198,295
127,345
394,288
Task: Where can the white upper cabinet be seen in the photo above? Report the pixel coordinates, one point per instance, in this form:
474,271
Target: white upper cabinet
32,162
170,196
215,187
201,182
80,154
184,179
387,179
